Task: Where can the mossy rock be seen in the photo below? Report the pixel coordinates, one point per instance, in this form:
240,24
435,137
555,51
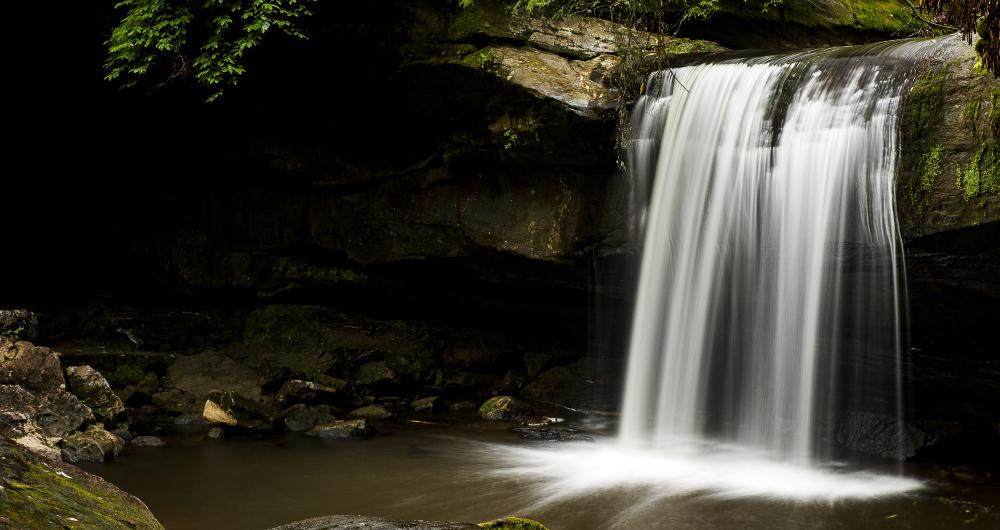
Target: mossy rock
503,408
41,494
513,523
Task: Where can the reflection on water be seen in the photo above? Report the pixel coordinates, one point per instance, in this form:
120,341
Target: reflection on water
479,471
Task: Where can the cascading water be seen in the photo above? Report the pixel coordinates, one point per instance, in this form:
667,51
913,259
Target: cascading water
767,312
768,289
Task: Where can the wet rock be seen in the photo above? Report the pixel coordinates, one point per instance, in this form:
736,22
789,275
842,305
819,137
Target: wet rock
538,362
174,400
580,385
206,372
93,445
372,412
123,432
342,429
90,387
553,434
296,390
302,418
148,441
41,494
512,382
359,522
503,408
59,413
468,380
216,433
18,324
880,435
463,405
426,404
33,367
330,381
230,408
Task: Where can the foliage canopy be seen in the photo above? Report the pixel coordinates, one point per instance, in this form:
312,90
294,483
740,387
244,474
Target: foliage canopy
206,38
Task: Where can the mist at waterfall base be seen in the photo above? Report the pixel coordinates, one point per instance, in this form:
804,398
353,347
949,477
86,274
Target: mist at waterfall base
769,303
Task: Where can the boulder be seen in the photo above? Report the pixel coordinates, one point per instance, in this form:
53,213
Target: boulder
302,418
90,387
93,445
41,494
300,339
230,408
18,324
372,412
33,367
200,374
375,373
503,408
342,429
39,422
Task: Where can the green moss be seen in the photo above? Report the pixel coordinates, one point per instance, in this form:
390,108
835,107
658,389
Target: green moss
971,113
924,105
923,182
38,495
982,175
125,374
993,118
513,523
883,15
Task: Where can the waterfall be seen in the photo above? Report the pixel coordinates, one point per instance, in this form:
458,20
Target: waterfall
769,286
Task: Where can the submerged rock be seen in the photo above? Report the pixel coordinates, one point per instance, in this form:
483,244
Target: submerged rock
90,387
302,418
503,408
553,434
342,429
372,412
216,433
880,435
93,445
148,441
426,404
360,522
40,494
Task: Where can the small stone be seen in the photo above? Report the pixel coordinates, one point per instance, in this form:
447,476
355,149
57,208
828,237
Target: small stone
230,408
342,429
148,441
213,413
216,433
372,412
503,408
296,390
425,405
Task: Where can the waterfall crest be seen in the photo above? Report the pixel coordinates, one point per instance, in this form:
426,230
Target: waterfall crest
769,284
